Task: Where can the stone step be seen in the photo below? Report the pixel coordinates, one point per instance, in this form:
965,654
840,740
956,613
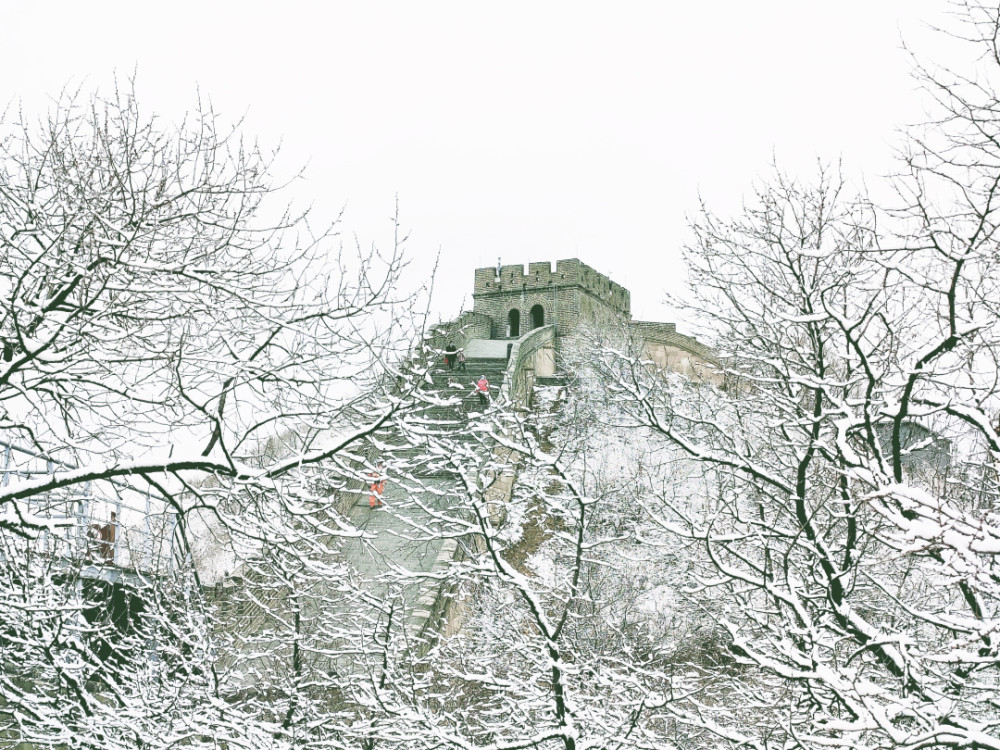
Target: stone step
486,349
386,528
470,376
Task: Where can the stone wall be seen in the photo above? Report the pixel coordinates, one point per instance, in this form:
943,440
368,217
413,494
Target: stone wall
676,352
532,356
469,325
571,293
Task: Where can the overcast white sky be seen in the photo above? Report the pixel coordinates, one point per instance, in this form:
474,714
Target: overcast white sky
530,131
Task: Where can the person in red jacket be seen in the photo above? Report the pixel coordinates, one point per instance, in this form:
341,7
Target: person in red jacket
377,487
483,390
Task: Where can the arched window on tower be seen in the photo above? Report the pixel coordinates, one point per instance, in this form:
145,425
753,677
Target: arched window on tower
537,316
514,324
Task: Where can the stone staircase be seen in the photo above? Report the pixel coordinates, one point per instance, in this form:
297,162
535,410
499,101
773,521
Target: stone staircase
454,416
450,383
417,486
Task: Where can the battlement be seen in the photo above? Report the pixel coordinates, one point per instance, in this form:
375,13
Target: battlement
650,328
540,277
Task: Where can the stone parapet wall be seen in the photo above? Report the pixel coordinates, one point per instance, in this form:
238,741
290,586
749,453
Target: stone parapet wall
533,355
652,328
674,351
467,326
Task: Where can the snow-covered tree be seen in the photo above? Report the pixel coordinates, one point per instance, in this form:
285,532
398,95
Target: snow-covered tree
848,547
537,649
164,319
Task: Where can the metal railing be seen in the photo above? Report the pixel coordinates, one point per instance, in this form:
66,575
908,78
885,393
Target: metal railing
99,523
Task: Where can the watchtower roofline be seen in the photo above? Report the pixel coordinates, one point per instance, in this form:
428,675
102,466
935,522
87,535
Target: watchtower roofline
540,277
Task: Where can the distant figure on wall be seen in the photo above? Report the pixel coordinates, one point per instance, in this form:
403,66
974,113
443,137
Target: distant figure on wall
102,539
376,488
108,533
449,355
461,360
483,390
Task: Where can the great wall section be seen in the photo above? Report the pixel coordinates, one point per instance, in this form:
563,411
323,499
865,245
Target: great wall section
520,322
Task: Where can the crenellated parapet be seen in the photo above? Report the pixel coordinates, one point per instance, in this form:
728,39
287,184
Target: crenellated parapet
541,276
567,295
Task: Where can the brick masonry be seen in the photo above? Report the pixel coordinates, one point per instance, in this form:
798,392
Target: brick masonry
570,294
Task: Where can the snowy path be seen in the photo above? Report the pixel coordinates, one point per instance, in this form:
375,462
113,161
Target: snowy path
394,540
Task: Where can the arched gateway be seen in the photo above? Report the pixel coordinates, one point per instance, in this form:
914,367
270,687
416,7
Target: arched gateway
514,324
537,317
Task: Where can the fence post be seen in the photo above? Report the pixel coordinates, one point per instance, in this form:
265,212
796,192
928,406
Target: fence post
6,466
170,551
147,543
115,527
82,521
46,541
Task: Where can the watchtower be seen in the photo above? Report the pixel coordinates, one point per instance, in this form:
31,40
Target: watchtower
573,293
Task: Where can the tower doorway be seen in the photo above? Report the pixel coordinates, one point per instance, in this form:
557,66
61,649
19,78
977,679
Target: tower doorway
514,324
537,316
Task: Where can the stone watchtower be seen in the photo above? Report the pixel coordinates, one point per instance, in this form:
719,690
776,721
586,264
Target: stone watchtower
574,293
509,304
